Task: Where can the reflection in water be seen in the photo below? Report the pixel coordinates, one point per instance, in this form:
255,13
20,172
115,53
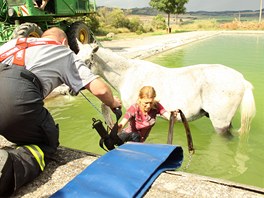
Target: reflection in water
241,156
220,158
229,157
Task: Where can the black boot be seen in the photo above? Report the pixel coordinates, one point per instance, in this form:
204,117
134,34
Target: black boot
6,174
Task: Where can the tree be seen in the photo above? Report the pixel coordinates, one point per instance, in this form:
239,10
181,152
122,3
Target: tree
159,22
169,7
260,11
118,19
135,24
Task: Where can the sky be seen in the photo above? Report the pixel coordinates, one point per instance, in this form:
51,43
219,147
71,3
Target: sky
192,5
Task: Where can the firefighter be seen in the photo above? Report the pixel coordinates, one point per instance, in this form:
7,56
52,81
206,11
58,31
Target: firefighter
30,68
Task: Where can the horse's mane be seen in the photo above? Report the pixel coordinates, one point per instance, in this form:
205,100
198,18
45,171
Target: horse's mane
109,53
112,59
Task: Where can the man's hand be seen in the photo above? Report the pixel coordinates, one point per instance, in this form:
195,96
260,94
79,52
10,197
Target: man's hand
120,127
117,103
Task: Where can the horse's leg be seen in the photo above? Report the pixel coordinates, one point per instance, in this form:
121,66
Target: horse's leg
222,110
221,119
221,95
223,130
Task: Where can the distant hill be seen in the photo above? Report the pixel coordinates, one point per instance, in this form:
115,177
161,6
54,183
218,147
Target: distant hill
138,11
248,13
153,12
149,11
145,11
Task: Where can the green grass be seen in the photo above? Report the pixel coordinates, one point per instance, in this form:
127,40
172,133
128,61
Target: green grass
200,23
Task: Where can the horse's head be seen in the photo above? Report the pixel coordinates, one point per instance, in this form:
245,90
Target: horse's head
104,62
86,52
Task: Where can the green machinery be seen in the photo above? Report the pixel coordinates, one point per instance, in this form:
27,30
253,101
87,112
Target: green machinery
22,18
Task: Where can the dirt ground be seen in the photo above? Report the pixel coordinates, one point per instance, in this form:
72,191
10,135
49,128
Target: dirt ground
148,46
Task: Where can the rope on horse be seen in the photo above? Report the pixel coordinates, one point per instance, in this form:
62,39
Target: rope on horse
187,130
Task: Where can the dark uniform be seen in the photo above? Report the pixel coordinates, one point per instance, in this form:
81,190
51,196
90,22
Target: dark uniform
23,118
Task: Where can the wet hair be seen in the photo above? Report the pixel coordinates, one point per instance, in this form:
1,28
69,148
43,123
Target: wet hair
148,92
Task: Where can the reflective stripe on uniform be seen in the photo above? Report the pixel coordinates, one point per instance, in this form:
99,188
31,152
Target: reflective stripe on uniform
38,154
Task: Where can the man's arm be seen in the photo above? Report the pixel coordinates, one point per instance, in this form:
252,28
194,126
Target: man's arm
103,92
44,3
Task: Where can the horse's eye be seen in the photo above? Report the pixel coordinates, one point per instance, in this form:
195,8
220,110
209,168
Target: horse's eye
87,62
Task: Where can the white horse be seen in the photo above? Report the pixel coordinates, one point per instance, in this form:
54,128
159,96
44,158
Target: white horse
211,90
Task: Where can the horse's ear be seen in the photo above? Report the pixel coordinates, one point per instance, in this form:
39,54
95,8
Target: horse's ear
80,45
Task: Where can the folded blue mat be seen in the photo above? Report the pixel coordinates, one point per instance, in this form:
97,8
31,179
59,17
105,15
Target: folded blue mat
127,171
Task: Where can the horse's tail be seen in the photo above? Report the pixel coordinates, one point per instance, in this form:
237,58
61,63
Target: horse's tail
248,108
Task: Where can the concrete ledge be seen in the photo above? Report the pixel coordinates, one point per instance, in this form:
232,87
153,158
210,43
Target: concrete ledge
181,184
68,163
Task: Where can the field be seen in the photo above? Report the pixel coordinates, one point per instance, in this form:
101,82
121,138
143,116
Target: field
200,21
204,20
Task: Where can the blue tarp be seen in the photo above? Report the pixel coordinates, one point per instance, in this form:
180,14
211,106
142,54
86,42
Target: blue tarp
127,171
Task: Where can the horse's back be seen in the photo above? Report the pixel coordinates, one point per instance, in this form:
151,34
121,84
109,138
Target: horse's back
223,77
